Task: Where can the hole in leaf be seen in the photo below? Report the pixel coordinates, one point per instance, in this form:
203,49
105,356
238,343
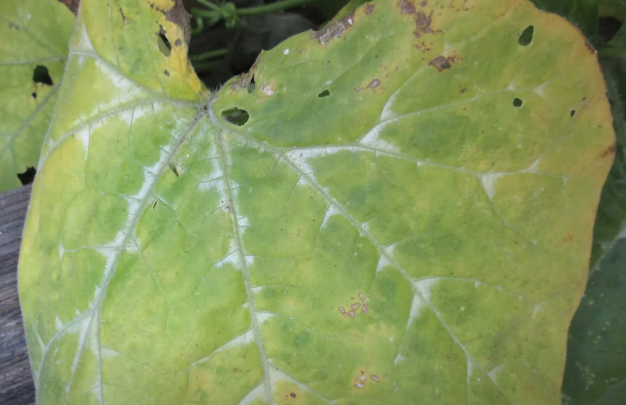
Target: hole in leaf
527,36
33,95
41,75
517,102
251,85
324,93
28,176
608,27
236,116
571,113
163,44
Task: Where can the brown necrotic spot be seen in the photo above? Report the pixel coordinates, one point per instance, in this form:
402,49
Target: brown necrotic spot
406,7
355,306
334,30
610,151
369,9
361,296
442,63
375,83
352,314
293,395
422,24
375,378
178,42
365,308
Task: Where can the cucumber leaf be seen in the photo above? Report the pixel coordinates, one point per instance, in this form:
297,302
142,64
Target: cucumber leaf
395,209
32,59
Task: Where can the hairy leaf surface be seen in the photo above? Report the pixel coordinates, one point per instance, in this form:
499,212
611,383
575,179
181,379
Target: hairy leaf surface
395,209
32,58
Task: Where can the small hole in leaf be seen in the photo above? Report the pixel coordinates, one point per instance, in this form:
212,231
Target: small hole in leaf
324,93
517,102
571,113
166,73
33,95
163,44
236,116
28,176
251,86
41,75
527,36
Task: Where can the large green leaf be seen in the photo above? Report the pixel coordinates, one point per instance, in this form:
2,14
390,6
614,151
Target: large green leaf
396,209
32,58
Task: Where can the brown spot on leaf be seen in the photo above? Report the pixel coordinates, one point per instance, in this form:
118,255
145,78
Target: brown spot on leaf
177,15
123,16
406,7
424,3
342,310
355,306
357,89
369,9
361,296
292,395
352,314
422,24
178,42
72,5
442,63
334,30
366,308
375,83
610,151
463,90
375,377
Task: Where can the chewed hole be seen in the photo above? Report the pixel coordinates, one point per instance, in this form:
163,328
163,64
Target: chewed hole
41,75
164,44
251,86
517,102
28,176
236,116
572,113
527,36
324,93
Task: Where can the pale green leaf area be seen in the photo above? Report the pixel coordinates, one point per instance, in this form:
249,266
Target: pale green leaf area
404,215
36,34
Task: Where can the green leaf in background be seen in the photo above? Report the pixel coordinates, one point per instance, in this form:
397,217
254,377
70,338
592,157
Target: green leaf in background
32,59
395,209
582,13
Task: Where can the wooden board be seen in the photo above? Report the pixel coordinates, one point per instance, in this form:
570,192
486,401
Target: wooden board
16,382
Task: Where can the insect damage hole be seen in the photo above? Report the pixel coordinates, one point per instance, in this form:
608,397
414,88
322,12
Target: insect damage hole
28,176
251,86
236,116
527,36
41,75
324,93
164,44
517,102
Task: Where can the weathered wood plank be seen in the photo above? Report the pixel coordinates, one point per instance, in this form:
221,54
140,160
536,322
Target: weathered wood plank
16,383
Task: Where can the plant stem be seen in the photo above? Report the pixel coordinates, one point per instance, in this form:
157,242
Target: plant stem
208,55
209,4
270,8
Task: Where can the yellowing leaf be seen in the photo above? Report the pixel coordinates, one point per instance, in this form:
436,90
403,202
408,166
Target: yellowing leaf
395,209
32,58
